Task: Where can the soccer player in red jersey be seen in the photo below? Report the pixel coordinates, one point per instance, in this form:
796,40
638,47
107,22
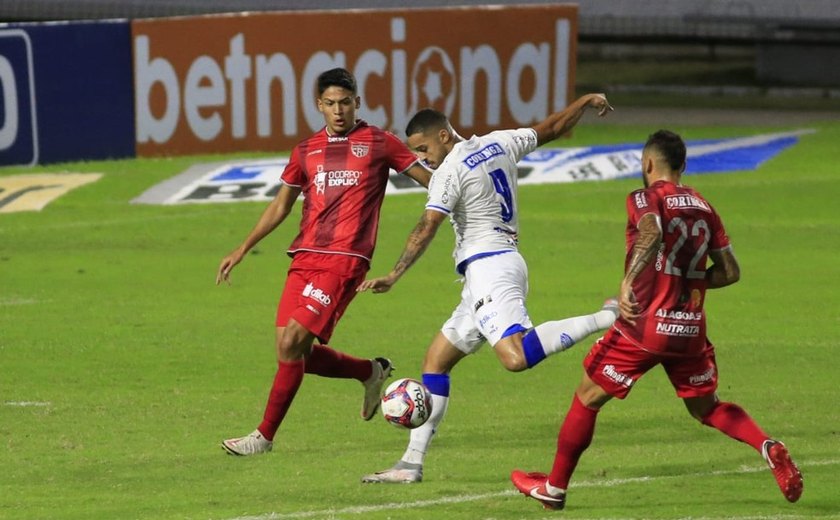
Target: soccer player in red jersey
342,172
671,232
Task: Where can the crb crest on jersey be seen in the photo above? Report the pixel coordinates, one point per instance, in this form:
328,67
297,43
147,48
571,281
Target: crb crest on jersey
359,150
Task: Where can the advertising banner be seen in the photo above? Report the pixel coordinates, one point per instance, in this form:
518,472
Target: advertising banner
247,81
65,92
259,179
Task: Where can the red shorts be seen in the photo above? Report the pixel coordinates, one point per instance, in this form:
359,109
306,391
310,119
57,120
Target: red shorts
318,289
615,364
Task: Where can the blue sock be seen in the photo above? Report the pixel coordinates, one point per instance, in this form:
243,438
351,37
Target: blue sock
532,346
437,384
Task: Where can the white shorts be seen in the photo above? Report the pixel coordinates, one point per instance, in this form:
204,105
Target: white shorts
493,300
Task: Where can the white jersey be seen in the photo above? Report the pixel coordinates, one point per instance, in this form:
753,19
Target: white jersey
476,185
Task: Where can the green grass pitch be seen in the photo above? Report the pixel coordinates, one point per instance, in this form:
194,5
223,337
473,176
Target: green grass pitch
109,313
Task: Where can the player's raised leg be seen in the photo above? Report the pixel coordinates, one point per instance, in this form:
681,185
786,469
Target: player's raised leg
552,337
325,361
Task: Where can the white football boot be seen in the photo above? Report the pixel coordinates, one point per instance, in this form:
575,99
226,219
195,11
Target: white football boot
401,473
252,444
382,368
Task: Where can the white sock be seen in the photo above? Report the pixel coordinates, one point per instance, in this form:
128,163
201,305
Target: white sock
421,437
557,336
604,319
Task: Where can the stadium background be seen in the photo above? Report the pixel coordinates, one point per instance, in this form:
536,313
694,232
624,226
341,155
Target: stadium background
713,54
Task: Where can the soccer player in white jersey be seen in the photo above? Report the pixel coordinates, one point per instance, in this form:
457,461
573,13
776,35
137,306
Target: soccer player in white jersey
475,185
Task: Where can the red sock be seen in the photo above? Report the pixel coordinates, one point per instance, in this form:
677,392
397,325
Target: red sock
574,437
286,383
328,362
732,420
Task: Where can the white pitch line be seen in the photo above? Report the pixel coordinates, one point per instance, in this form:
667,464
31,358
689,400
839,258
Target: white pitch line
5,302
459,499
25,404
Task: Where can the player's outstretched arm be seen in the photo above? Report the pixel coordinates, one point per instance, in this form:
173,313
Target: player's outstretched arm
724,269
276,212
418,241
561,122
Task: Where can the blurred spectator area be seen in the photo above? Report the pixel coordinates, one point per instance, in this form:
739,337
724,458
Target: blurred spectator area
795,42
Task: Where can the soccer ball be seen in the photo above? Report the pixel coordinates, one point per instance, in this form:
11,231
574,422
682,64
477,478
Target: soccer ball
407,403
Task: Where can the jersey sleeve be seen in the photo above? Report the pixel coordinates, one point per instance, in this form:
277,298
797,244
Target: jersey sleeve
640,203
444,190
293,174
400,158
719,239
520,142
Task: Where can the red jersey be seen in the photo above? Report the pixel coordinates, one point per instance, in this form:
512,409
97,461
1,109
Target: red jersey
672,288
343,180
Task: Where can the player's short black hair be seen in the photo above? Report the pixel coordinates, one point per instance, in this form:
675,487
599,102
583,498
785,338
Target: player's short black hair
425,120
337,77
670,145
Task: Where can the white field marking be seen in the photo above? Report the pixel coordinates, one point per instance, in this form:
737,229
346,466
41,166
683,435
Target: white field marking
4,302
24,404
459,499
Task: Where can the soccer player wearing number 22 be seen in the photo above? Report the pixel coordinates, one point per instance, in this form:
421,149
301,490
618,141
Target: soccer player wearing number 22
671,231
475,185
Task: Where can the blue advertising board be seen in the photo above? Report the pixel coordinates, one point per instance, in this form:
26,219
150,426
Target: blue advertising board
66,92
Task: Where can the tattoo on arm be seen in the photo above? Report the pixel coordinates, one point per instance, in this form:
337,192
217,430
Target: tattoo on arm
418,241
645,248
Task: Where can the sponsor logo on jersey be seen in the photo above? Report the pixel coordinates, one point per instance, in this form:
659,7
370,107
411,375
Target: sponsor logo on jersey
337,138
525,140
447,186
480,303
333,178
618,377
310,291
487,317
313,309
320,177
679,315
485,154
660,257
359,150
641,200
696,298
343,178
705,377
675,329
686,202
